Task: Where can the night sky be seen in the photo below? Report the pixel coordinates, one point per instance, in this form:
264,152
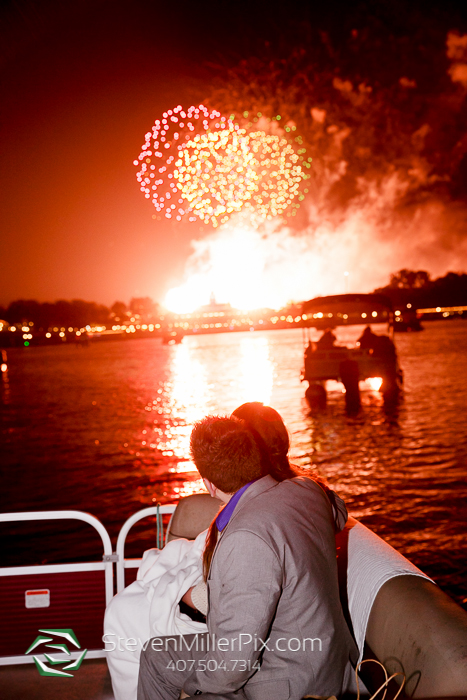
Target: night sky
81,84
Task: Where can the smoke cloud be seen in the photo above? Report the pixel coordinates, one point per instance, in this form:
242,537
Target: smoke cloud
388,187
337,252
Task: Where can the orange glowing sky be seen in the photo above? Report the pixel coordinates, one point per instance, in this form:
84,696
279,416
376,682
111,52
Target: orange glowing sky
81,84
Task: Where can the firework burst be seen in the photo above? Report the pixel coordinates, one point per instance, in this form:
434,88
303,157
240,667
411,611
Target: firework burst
199,164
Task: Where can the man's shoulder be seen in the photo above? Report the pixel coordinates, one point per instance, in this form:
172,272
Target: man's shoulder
301,487
284,501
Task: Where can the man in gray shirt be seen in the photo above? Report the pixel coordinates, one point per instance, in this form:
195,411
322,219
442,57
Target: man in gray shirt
276,630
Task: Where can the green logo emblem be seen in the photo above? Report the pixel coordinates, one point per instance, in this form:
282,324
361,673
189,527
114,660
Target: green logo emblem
65,635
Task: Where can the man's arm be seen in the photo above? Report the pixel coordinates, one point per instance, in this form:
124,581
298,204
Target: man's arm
245,589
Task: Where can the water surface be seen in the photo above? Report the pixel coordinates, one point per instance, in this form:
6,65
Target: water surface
105,429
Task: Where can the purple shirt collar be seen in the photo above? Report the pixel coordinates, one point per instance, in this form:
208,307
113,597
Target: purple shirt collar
227,512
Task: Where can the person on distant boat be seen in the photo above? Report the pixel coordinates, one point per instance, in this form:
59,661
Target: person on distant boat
270,565
368,339
380,344
384,346
327,340
309,350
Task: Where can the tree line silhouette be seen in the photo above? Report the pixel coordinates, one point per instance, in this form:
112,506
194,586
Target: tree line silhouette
413,287
76,313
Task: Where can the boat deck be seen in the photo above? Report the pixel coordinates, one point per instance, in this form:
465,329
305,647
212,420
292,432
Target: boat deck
410,624
91,682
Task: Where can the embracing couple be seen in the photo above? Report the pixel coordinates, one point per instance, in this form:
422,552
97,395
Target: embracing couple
275,624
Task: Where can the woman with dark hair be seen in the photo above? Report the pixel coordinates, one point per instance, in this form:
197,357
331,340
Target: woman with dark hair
271,436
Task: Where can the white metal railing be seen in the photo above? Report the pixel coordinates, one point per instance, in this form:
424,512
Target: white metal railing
123,563
104,565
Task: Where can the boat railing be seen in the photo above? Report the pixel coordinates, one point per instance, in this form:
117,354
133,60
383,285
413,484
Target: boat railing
69,595
121,563
54,595
403,618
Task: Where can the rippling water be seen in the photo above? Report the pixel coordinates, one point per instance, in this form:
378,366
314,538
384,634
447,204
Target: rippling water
106,428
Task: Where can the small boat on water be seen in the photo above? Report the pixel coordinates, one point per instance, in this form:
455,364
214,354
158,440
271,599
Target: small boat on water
373,358
397,614
407,321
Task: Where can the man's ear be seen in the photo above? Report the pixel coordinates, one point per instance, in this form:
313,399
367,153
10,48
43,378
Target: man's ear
210,487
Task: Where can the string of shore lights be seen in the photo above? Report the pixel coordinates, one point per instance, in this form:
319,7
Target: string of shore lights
198,164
